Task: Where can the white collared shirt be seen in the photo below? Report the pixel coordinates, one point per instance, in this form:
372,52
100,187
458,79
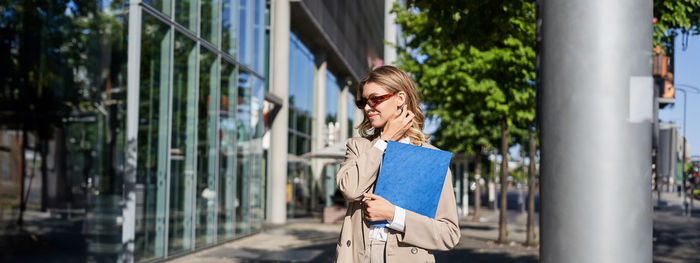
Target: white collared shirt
399,222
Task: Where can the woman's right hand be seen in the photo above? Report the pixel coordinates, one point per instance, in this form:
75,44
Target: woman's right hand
396,127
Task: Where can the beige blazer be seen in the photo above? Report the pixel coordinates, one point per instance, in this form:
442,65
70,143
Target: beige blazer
422,235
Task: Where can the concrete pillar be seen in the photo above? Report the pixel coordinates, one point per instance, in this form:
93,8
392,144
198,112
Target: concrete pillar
318,126
596,104
357,118
343,112
132,123
389,33
279,85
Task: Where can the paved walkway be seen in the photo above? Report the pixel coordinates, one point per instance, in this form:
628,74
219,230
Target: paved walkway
676,239
307,240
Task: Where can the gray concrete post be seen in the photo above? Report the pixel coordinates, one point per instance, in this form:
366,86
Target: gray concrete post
357,118
279,85
318,126
596,102
389,33
343,112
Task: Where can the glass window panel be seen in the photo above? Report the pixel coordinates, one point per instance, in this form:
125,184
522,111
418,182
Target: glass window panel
63,103
255,186
186,14
331,114
227,151
160,5
182,149
290,120
245,32
210,21
252,34
300,145
351,113
302,119
258,58
206,148
301,73
257,99
229,27
290,144
243,125
152,139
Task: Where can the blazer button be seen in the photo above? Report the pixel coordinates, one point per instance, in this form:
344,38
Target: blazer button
414,250
348,243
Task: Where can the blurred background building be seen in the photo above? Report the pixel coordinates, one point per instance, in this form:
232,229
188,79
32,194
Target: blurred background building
140,130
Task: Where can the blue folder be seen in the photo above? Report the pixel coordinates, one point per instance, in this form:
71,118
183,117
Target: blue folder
412,177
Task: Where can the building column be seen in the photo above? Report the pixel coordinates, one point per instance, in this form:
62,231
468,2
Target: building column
389,33
279,86
318,126
357,118
343,113
132,123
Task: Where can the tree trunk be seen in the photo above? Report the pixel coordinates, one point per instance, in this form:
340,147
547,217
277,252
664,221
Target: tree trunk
530,240
502,231
477,192
44,148
23,175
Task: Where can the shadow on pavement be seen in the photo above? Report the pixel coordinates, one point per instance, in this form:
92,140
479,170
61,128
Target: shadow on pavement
471,255
676,237
327,254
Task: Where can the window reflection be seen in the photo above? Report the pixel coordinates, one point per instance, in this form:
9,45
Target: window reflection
243,125
332,126
206,148
229,27
151,179
186,14
62,128
252,34
227,151
160,5
301,71
62,112
210,22
182,147
256,184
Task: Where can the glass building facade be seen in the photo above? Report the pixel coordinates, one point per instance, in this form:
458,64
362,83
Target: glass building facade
129,128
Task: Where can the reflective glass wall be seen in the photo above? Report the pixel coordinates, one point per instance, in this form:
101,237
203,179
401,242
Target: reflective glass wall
62,118
64,115
199,175
301,95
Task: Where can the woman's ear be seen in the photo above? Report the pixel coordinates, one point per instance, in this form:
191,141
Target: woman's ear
401,97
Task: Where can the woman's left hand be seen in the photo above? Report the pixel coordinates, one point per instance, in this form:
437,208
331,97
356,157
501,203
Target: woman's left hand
377,208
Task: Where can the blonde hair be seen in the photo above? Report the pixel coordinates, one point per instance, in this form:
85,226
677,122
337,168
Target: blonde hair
394,80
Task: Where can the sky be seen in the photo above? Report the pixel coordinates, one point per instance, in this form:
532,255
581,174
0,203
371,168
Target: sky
687,72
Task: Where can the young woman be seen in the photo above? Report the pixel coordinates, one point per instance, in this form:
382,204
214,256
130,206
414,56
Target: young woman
391,112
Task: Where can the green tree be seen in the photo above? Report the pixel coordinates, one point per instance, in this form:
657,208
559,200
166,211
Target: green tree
681,15
474,64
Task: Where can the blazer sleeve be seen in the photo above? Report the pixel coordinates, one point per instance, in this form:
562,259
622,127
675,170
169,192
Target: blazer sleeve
359,170
440,233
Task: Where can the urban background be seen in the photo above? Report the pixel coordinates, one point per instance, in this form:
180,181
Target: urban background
212,130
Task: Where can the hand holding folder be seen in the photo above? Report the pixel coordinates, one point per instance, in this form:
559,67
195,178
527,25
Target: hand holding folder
412,177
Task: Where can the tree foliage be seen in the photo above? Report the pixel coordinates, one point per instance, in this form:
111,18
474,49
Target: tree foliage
474,64
683,15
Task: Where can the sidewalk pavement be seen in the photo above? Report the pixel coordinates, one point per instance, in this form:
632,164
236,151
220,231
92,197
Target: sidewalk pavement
308,240
676,239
